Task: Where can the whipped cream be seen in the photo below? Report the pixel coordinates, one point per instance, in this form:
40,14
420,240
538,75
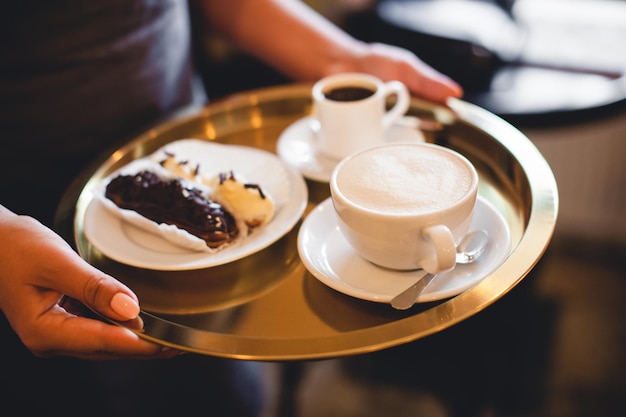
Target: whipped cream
180,168
246,200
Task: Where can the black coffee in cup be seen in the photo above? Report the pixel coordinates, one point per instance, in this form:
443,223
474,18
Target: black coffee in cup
348,93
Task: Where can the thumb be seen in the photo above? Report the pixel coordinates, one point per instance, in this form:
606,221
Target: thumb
70,275
107,296
39,259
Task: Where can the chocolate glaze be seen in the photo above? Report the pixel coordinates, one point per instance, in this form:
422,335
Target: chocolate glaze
170,202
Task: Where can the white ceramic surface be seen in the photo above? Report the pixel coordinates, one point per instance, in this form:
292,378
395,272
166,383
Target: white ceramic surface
405,206
297,145
329,258
348,126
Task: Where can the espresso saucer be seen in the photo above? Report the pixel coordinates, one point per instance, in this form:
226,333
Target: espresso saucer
330,258
296,146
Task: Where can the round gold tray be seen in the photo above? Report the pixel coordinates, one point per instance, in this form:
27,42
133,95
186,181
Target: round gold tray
268,306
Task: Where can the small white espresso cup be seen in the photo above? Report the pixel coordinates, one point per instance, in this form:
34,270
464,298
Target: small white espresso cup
351,111
405,206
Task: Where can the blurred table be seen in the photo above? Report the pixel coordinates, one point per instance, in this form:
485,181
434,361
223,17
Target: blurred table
525,60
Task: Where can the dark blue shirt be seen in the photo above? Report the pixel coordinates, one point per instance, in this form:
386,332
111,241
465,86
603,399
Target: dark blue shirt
78,77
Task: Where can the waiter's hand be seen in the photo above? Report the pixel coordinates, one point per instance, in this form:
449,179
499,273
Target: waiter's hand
44,284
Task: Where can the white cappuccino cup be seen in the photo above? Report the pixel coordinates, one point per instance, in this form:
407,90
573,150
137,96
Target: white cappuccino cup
405,206
352,114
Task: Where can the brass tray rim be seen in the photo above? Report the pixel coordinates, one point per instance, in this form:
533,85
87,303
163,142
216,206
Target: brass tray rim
523,257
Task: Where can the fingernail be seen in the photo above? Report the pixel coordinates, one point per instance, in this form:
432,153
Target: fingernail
125,306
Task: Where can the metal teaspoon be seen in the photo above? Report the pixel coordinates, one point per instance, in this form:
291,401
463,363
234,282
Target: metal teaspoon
471,247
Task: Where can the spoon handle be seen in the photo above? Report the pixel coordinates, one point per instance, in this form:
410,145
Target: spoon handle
407,298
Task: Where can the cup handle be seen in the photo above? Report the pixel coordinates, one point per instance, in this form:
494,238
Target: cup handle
401,105
445,249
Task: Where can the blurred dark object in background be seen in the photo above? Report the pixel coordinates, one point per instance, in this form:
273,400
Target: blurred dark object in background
525,60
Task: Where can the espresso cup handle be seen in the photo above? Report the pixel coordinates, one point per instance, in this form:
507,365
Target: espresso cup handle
445,249
401,105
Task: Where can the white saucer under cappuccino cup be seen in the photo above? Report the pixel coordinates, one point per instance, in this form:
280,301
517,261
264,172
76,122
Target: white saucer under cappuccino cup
405,206
352,114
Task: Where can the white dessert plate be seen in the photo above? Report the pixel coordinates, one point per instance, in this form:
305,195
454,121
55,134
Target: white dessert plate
331,259
127,243
296,146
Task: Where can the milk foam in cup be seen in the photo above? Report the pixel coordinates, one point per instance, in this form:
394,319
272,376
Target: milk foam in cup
405,206
350,109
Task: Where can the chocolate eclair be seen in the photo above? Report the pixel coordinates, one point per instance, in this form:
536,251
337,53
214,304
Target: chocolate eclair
170,201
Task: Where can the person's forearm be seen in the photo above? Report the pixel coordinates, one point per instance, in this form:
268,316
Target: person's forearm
285,33
296,40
